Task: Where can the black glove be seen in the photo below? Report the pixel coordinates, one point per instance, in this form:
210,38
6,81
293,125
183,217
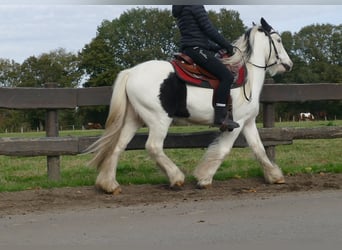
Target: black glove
230,49
214,47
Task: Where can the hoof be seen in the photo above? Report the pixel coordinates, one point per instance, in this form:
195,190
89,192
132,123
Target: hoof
117,191
177,186
207,186
112,190
280,181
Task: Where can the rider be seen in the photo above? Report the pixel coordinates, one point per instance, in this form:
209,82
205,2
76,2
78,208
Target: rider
197,37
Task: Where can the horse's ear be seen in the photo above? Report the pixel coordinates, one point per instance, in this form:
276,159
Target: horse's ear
265,25
253,23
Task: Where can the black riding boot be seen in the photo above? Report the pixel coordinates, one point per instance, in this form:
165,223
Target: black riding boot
223,119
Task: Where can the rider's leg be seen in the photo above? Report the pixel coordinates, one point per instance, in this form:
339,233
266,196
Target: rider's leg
213,65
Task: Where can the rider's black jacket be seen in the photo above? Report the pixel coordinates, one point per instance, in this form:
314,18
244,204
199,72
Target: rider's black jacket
196,28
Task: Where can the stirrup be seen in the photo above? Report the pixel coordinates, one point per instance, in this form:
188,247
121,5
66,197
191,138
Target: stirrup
228,125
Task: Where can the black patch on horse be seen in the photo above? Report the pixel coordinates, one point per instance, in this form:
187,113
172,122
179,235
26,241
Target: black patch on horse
173,96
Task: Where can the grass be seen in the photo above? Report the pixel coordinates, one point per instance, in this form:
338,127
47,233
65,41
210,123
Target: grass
135,167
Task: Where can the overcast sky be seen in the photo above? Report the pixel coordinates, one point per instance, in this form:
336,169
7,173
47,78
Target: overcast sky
27,30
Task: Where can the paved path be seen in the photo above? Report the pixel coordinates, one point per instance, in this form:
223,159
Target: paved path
286,221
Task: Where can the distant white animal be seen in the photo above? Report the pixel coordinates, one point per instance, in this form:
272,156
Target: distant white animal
306,117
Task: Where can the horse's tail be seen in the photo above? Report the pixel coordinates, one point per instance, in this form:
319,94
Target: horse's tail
115,120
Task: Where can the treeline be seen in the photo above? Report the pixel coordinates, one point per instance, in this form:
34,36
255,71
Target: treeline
141,34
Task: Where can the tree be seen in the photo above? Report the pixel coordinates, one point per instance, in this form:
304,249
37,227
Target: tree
57,66
228,23
10,120
316,51
320,49
9,73
136,36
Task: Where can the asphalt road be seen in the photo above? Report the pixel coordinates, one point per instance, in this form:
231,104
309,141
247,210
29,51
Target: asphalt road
286,221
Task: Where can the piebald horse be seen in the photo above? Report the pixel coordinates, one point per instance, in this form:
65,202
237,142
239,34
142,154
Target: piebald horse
137,101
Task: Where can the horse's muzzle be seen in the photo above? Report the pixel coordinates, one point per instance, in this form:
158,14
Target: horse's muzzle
287,67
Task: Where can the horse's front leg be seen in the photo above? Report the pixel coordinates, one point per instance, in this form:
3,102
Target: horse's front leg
272,172
213,158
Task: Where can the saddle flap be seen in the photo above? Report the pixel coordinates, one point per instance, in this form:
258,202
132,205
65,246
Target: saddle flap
186,63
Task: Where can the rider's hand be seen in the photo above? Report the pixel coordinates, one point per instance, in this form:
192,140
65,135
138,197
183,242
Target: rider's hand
230,50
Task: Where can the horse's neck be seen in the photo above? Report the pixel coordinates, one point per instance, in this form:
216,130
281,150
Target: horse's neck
256,76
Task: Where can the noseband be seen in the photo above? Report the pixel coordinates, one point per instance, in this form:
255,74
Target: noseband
271,43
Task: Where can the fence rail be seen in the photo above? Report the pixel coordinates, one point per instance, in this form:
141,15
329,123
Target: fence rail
51,146
52,98
68,98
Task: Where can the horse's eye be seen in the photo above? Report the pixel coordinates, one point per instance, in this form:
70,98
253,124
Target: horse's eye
279,40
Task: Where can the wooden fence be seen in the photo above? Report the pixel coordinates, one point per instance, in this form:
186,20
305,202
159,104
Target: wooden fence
52,99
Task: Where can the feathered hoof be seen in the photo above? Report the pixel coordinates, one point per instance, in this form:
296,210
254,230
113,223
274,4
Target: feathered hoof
109,189
117,191
177,185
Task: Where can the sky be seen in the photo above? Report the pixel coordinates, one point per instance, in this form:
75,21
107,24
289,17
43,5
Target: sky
32,29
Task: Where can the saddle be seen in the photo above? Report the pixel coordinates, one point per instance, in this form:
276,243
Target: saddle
193,74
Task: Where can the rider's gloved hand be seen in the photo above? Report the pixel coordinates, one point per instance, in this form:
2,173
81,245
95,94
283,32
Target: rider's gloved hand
230,49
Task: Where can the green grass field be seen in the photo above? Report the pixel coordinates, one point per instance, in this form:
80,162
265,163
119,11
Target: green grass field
135,167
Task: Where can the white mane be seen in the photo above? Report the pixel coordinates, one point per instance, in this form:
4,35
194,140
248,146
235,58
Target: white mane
243,48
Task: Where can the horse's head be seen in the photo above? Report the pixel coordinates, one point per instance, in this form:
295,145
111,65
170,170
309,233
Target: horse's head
269,48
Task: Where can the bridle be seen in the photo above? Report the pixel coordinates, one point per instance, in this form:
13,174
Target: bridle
272,45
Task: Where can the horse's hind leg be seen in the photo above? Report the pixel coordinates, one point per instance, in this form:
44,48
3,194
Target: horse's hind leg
154,146
272,172
106,179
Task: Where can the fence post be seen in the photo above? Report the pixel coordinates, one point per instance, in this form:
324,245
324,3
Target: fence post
51,128
269,121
